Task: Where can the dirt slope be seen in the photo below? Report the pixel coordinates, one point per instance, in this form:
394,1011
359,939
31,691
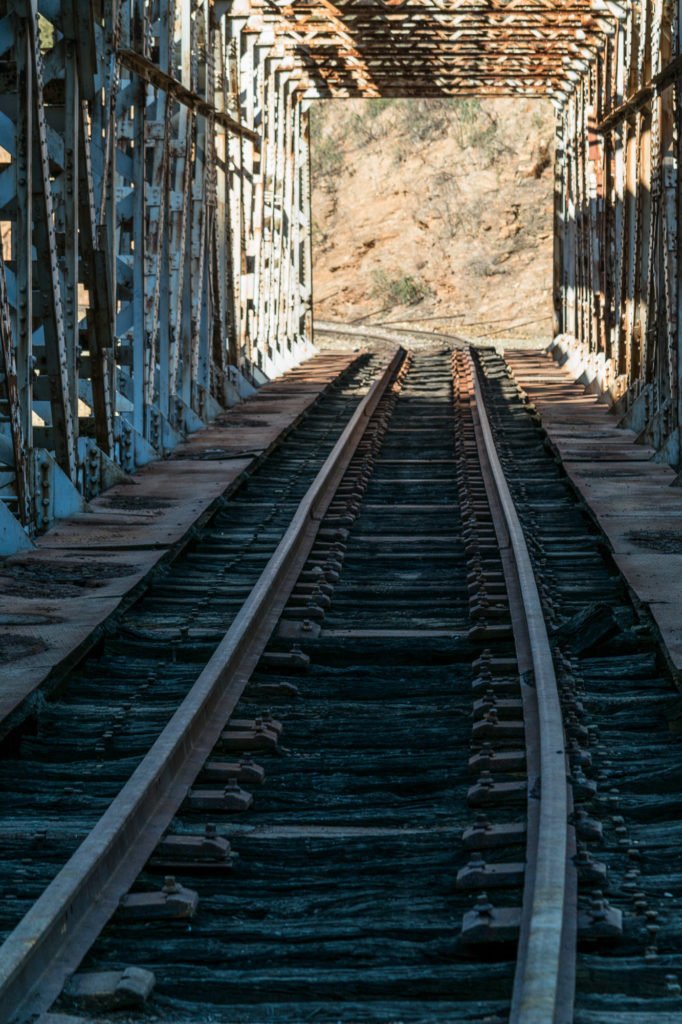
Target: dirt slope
432,209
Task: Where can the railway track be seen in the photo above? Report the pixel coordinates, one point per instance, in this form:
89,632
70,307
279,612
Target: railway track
383,792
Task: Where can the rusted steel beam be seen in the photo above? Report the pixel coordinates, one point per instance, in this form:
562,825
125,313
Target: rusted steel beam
151,73
663,80
176,195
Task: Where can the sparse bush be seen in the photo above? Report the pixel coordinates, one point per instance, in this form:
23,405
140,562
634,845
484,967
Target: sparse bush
417,121
316,115
365,128
402,151
445,198
319,236
467,110
404,290
329,130
377,107
486,139
421,120
479,266
327,159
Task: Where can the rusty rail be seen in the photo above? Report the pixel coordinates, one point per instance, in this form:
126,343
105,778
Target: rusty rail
544,981
56,933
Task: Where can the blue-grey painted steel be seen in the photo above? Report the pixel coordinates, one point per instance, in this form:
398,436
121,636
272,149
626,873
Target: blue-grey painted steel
130,285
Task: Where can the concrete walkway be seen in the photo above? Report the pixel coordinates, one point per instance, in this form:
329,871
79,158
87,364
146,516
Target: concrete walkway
629,494
54,599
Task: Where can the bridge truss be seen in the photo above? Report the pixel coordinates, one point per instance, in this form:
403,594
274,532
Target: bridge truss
155,205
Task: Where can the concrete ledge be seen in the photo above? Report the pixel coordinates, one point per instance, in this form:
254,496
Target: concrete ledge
629,494
55,598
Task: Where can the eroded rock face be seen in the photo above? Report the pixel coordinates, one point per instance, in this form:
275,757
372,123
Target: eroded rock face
434,209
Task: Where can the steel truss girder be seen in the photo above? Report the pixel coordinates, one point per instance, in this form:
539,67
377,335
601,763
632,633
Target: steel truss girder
617,203
155,202
127,295
614,73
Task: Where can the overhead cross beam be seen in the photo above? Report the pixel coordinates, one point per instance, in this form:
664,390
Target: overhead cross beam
373,48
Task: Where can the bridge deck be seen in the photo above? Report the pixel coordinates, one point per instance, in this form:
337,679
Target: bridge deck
55,598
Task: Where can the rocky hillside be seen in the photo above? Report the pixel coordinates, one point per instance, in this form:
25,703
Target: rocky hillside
436,213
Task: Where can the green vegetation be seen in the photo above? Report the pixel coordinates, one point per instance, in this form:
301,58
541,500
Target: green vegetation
319,236
479,266
377,107
326,154
426,120
367,127
327,160
415,123
540,120
403,290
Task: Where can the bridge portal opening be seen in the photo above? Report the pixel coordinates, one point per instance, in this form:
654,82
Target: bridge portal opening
156,235
434,214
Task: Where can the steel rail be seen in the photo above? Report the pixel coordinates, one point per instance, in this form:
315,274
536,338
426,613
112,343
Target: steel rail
544,981
53,937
